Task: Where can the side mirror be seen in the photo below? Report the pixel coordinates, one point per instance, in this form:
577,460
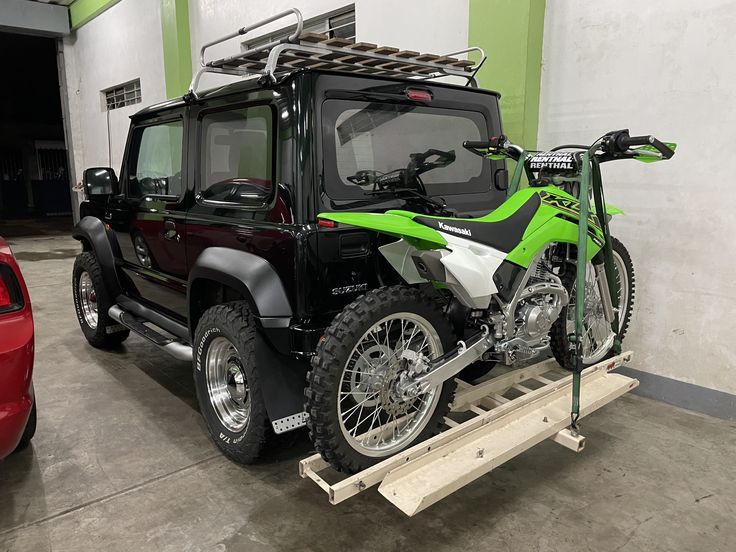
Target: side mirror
99,182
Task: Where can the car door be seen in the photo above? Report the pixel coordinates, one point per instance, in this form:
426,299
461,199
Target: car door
239,202
149,217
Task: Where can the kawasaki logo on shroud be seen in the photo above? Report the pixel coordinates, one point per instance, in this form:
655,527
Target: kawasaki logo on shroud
454,229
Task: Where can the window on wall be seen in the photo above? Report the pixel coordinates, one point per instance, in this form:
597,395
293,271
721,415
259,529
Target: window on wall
237,155
336,24
123,95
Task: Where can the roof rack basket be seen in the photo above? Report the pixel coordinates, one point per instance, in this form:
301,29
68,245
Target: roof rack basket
315,50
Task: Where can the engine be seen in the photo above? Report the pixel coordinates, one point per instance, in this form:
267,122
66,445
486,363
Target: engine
537,309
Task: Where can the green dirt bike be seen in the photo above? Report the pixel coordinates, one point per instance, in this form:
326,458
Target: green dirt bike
506,284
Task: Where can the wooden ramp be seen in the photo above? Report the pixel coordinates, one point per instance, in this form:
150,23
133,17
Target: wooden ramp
510,414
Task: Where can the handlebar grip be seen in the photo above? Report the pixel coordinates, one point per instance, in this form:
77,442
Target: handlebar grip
624,142
479,144
628,141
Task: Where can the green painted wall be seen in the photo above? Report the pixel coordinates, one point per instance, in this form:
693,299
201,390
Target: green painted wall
510,32
82,11
177,51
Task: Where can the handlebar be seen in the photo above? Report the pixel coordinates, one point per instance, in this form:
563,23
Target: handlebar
494,142
476,144
612,145
623,142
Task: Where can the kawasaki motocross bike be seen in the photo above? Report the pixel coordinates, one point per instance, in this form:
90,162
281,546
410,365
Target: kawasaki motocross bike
499,288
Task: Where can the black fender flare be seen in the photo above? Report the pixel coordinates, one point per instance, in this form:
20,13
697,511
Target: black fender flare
252,276
92,231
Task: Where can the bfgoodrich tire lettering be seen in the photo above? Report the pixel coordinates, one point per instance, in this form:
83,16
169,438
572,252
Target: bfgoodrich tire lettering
230,329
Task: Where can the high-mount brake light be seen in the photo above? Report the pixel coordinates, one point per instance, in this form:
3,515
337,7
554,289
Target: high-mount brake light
417,95
327,223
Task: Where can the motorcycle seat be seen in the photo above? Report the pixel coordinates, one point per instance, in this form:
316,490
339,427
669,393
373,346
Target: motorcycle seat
504,234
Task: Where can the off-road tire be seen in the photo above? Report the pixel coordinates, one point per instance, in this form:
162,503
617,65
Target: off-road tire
333,352
234,322
108,332
29,431
559,340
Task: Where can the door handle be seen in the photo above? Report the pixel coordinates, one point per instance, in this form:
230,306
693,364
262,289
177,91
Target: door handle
170,232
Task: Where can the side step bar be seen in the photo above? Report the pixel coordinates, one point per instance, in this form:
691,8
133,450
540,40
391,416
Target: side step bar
502,427
175,348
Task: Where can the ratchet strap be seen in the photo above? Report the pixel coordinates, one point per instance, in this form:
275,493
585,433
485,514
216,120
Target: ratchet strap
582,263
590,177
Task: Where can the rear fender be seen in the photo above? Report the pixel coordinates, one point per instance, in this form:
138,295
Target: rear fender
253,277
399,226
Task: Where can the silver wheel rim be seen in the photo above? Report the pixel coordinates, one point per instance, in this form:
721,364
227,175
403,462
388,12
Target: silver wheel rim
227,385
372,420
598,336
88,300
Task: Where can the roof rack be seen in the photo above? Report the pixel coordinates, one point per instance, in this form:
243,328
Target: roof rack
315,50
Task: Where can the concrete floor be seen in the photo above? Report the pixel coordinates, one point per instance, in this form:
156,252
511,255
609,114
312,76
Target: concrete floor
121,461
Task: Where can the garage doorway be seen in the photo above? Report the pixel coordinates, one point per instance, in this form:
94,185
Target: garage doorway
35,190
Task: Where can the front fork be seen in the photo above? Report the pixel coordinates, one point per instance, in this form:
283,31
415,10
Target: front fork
603,289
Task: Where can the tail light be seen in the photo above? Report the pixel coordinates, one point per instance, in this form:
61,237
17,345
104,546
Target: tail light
327,223
11,298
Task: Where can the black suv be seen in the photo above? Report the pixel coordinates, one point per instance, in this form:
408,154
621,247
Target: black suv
210,246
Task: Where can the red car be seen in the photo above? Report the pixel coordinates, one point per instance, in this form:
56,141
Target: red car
17,401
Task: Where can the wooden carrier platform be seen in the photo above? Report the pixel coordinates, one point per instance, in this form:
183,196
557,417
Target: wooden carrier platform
503,417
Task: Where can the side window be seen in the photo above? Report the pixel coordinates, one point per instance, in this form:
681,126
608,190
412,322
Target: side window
237,156
154,166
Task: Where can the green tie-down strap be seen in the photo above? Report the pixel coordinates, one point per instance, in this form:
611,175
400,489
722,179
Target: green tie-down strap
582,262
575,412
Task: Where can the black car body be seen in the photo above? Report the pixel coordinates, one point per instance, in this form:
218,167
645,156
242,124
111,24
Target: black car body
218,199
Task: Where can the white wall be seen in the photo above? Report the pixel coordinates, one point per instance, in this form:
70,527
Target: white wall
122,44
663,67
436,26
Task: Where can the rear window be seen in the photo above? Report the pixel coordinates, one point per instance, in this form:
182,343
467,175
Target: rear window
365,139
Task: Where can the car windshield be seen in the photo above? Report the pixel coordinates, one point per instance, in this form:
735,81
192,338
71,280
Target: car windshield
363,140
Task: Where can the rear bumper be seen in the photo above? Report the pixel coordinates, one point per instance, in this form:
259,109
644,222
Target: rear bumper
16,370
13,420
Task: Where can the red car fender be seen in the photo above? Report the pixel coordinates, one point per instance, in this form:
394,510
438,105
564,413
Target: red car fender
16,363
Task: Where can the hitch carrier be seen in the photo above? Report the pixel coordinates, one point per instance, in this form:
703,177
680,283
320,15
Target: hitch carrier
499,429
